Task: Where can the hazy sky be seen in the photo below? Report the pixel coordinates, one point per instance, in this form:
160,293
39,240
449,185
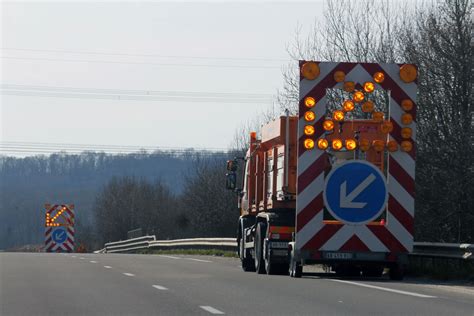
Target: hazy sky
66,64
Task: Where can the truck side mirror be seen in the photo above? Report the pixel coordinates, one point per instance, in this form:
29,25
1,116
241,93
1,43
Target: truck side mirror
231,180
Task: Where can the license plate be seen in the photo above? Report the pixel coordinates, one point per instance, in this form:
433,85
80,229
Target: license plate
279,244
337,255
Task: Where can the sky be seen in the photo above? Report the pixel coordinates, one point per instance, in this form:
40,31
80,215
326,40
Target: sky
168,74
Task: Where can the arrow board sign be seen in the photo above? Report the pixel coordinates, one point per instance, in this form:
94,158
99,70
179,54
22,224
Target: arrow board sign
355,192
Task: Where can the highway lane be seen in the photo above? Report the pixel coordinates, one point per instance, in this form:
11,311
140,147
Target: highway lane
117,284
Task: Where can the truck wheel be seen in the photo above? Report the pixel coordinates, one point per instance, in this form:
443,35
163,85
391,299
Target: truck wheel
259,262
296,269
269,267
247,262
396,272
275,268
372,272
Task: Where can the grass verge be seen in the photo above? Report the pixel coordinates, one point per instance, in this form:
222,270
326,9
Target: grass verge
197,252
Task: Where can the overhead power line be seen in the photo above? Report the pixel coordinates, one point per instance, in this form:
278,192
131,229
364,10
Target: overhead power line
226,65
143,95
51,148
62,51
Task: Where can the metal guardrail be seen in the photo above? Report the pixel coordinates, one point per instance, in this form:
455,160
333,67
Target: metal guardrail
219,243
129,244
420,249
443,250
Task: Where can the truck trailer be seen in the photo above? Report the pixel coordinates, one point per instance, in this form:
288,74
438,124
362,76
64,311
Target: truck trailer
334,184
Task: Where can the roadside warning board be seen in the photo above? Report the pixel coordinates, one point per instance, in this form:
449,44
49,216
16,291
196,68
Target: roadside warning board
59,228
355,192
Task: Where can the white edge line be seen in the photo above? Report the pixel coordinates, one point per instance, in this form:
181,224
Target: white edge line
171,257
212,310
199,260
159,287
92,261
385,289
128,274
108,267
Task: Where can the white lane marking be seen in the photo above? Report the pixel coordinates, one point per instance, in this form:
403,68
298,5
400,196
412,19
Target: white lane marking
92,261
212,310
108,267
129,274
385,289
199,260
82,258
159,287
73,256
171,257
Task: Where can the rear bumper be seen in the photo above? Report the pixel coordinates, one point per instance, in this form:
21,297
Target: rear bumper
337,257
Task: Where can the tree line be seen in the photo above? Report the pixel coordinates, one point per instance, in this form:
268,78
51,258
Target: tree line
204,208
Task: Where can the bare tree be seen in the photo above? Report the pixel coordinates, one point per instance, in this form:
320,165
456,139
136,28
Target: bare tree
439,41
351,31
437,36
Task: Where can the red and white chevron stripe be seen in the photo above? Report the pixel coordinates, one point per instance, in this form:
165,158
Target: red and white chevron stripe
66,220
396,236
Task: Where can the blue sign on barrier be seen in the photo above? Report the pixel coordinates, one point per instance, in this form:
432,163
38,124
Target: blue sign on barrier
59,235
355,192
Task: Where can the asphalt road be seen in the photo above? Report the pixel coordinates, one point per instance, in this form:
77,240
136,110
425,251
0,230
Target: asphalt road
108,284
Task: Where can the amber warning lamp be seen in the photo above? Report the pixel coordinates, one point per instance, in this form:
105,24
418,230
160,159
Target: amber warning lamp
408,73
310,70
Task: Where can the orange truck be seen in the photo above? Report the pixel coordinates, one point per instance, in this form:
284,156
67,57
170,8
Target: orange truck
333,185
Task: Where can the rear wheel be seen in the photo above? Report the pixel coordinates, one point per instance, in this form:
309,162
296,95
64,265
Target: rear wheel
396,272
247,261
372,272
259,262
296,269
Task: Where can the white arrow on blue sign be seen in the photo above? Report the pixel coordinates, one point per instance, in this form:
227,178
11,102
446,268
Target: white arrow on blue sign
59,235
355,192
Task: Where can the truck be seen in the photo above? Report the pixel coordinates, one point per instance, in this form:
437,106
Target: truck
333,184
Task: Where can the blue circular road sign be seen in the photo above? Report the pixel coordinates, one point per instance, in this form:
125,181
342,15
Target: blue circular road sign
355,192
59,235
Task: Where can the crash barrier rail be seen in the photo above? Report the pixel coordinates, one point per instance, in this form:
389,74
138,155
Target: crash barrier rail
420,249
129,244
443,250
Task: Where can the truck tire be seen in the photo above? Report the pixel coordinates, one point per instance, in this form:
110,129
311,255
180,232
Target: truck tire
296,269
396,273
245,256
259,262
372,272
275,268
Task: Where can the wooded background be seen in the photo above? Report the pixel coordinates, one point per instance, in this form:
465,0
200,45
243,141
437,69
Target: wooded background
184,195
